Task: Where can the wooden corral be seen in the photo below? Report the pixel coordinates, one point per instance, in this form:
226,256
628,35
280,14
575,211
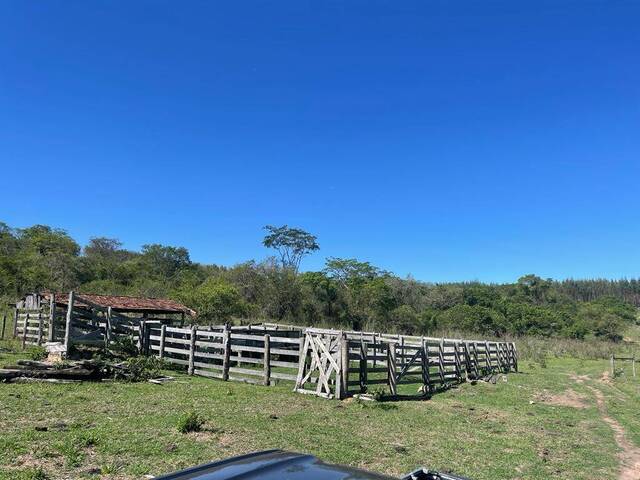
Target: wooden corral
329,363
323,362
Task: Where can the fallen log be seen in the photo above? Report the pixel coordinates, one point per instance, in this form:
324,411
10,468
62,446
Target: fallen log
27,368
40,380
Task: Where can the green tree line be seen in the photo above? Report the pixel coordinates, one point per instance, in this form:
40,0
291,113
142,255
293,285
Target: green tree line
347,293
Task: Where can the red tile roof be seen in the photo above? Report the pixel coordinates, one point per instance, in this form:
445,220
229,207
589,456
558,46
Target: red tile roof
126,304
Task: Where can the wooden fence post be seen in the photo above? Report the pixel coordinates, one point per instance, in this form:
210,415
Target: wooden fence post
226,343
475,360
426,375
487,357
147,338
467,360
515,356
163,333
391,368
39,341
456,359
15,323
192,349
633,365
107,327
441,362
141,330
51,335
363,365
613,366
375,350
302,360
24,330
69,322
4,324
267,361
499,356
340,373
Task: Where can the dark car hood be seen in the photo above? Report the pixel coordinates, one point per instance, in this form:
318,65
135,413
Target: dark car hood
273,465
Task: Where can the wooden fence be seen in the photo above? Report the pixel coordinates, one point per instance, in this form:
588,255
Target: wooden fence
322,362
344,363
328,363
632,360
229,353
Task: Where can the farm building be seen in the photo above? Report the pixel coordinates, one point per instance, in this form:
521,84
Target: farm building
89,318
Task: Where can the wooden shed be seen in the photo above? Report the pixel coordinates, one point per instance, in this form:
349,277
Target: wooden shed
89,318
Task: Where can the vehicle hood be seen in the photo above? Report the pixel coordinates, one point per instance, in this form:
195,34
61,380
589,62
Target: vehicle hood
272,465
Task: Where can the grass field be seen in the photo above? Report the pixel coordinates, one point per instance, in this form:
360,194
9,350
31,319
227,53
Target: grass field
540,423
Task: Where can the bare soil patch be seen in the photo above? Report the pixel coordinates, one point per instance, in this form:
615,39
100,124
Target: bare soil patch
630,454
579,378
569,398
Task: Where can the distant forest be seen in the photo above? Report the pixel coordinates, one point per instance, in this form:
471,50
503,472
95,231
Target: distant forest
347,293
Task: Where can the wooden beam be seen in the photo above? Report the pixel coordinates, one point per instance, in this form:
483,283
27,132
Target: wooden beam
24,331
344,365
192,349
391,368
267,360
226,344
15,323
52,318
362,375
426,374
39,340
163,333
69,322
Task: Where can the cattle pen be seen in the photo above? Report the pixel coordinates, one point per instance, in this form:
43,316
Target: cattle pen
324,362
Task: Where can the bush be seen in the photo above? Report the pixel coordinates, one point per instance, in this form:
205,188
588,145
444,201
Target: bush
37,353
378,393
123,346
190,422
140,369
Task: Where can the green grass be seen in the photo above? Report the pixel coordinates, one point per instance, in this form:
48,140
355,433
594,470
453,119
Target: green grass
485,431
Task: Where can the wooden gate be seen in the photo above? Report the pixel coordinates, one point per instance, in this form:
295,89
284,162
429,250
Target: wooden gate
323,361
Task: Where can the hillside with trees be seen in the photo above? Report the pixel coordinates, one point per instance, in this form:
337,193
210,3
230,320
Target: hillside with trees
346,293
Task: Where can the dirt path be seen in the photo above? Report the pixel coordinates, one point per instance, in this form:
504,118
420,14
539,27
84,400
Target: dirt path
630,455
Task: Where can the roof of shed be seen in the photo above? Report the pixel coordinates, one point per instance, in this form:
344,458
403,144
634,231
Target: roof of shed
125,304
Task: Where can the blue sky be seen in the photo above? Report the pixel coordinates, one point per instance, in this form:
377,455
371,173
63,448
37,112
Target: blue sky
447,140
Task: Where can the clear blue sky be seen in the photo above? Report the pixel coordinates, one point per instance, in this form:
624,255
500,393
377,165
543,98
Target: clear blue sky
447,140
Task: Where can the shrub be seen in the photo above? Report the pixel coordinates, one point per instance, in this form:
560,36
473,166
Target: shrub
190,422
37,353
123,346
378,393
139,369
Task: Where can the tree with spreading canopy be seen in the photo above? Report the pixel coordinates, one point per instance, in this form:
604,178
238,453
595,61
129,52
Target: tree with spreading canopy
292,244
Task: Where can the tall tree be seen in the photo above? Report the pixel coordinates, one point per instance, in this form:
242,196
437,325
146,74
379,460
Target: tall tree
292,244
